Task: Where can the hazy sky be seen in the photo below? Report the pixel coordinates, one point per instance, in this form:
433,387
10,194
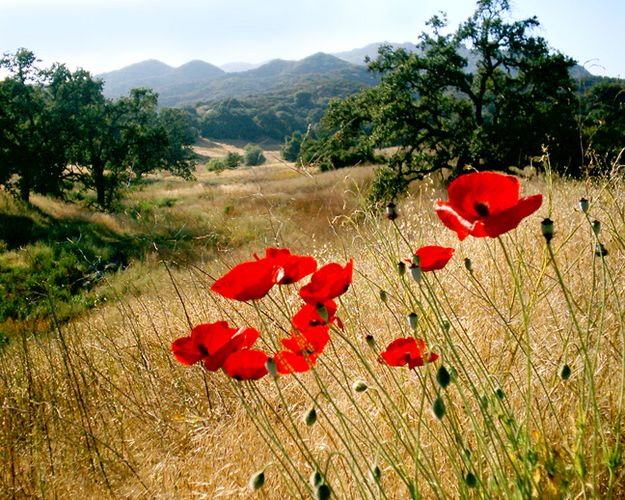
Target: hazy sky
102,35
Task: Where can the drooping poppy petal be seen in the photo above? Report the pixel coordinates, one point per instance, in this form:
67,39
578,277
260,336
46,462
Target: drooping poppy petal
186,351
294,267
248,364
205,339
312,341
290,362
247,281
433,258
510,218
328,282
407,351
243,338
485,204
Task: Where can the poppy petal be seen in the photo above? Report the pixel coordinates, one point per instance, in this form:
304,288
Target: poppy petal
510,218
328,282
246,365
294,267
247,281
290,362
452,220
186,351
492,191
433,258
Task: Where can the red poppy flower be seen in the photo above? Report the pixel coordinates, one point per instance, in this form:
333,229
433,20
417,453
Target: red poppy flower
485,204
212,343
248,364
292,267
408,351
327,283
290,362
433,258
247,281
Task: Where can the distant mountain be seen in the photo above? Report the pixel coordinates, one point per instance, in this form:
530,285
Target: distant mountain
156,75
237,67
199,81
357,56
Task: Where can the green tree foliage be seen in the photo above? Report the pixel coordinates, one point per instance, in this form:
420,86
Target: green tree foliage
290,149
253,155
438,111
603,112
54,118
24,137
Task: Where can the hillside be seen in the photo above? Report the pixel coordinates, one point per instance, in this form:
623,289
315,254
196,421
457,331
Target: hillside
199,81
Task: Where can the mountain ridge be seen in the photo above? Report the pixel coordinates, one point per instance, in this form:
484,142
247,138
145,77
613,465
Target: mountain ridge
197,80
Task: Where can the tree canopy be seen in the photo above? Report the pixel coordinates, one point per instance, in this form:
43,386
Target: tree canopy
487,95
58,131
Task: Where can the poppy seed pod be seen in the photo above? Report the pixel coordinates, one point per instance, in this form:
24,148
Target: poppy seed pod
412,320
323,492
600,250
401,268
468,265
596,227
376,473
438,408
370,340
547,229
310,417
359,386
391,211
257,480
565,372
383,296
415,270
272,367
322,311
470,480
583,205
443,377
315,479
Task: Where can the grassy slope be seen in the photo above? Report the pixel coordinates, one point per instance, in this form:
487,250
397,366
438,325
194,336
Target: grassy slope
101,406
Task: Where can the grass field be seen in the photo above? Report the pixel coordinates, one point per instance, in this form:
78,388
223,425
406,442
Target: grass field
98,406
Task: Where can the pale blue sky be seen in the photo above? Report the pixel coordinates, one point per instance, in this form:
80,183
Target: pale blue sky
102,35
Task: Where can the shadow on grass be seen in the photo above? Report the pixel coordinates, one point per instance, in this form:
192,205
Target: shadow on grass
65,258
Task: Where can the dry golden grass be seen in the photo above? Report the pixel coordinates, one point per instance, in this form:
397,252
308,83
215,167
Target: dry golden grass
100,407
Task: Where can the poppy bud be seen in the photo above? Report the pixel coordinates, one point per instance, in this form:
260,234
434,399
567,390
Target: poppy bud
391,211
468,265
272,367
360,386
443,377
446,326
412,320
376,473
323,492
401,268
565,371
547,228
322,312
310,417
416,272
438,408
499,393
596,227
383,296
370,340
315,479
470,480
583,205
257,480
600,250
